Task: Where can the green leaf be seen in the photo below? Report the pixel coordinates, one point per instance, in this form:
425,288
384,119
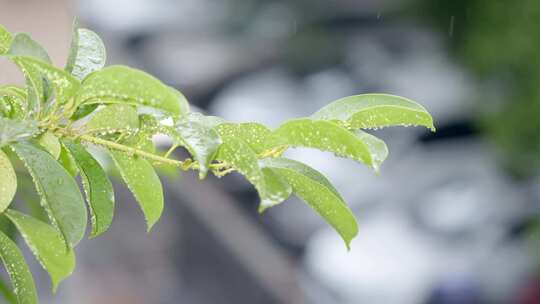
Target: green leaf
47,244
60,195
5,40
280,189
83,111
114,118
196,133
322,135
237,153
120,84
254,134
375,111
182,100
8,182
65,86
318,193
97,187
23,45
377,148
87,53
143,182
13,101
37,87
17,269
12,130
67,161
50,143
6,292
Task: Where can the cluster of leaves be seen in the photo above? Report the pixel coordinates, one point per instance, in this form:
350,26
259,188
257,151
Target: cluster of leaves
49,124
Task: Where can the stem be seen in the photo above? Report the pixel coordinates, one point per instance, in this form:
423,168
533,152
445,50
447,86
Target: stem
184,165
171,150
219,169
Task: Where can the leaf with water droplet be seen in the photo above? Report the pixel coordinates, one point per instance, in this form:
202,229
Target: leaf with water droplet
12,130
377,148
120,84
67,161
87,53
369,111
196,133
113,118
47,245
13,101
312,187
64,85
50,143
17,269
97,187
238,154
60,195
23,45
143,182
8,182
254,134
322,135
5,39
7,293
280,189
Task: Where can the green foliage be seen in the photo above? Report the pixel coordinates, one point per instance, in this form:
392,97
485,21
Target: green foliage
47,245
21,278
42,125
8,181
60,195
97,187
316,190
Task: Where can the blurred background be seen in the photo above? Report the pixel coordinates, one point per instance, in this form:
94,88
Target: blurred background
451,219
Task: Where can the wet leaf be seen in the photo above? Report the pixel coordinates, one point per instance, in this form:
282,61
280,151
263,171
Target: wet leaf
370,111
67,161
87,53
97,187
237,153
12,130
50,143
377,148
83,111
280,189
322,135
182,100
254,134
5,40
13,101
114,118
120,84
24,46
17,269
64,85
196,133
47,245
6,292
318,193
60,195
143,182
8,182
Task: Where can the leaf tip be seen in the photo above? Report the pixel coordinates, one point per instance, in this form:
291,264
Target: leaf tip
263,207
